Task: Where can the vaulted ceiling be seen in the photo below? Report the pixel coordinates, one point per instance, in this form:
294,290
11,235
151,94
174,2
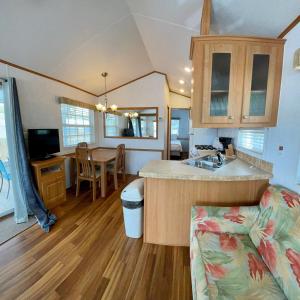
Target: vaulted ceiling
75,40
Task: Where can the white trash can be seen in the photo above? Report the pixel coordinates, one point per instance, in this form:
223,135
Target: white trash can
132,198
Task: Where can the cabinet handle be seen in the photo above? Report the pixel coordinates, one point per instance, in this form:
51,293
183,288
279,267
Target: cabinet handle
230,117
245,117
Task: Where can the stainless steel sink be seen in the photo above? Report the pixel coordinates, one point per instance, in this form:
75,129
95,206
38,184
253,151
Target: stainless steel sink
208,162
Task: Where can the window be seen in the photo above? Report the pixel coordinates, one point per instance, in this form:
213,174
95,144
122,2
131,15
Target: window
77,125
111,125
148,126
252,139
175,126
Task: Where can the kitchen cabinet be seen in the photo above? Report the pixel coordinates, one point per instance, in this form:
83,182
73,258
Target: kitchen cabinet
236,81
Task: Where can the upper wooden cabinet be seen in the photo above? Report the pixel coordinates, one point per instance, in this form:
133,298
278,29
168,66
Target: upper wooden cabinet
236,81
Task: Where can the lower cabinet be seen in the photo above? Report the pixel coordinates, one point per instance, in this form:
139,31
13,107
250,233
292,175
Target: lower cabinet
53,190
50,180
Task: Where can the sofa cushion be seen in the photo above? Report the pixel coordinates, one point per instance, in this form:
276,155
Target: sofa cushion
276,234
233,269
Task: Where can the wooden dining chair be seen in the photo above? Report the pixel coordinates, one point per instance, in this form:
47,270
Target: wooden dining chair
86,170
82,145
118,166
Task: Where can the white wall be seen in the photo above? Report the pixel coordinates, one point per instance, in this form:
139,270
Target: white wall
148,91
135,160
178,101
287,132
202,136
38,102
286,163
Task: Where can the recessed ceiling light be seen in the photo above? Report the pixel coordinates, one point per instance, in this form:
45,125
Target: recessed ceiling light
192,81
187,69
181,81
192,91
181,90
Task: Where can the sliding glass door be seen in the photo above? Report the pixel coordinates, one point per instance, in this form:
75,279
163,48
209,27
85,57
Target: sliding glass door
6,192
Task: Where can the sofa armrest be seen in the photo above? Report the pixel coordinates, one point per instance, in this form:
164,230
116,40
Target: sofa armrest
224,219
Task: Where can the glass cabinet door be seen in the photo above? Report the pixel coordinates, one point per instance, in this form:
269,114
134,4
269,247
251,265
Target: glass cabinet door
220,82
259,80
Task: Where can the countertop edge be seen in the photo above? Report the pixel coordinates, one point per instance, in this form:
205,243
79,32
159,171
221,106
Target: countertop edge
207,177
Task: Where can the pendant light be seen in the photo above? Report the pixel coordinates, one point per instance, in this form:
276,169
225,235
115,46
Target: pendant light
105,107
131,115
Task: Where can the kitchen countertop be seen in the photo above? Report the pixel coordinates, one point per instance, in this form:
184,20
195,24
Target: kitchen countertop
237,170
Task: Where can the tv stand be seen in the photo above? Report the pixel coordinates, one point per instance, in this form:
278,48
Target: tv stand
48,156
50,180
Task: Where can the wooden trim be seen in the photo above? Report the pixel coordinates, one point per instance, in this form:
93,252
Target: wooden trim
147,115
135,149
289,28
174,92
45,76
232,38
126,149
206,17
166,77
83,90
138,108
169,133
64,100
141,77
133,137
131,81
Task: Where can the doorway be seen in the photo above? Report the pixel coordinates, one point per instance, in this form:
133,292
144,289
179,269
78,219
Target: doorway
178,133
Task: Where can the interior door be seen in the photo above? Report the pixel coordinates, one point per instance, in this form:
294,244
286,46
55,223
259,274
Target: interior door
223,82
259,84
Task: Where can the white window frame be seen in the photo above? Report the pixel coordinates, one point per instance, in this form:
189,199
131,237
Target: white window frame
81,126
246,138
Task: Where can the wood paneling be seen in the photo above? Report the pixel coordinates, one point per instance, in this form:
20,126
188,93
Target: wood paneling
168,204
87,256
289,28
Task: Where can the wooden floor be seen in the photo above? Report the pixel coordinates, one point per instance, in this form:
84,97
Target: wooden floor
87,256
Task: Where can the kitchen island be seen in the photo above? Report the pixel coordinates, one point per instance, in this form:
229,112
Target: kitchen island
172,188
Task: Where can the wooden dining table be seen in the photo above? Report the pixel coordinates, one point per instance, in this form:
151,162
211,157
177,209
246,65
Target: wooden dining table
101,157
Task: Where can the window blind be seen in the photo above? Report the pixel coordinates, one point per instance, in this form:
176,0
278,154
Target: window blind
252,139
77,125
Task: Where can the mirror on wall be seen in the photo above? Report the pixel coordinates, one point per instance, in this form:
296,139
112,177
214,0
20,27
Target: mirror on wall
132,122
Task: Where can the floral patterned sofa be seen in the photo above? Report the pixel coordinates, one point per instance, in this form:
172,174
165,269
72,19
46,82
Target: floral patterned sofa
247,252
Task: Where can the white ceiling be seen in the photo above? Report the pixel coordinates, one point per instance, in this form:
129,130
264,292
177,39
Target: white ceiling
75,40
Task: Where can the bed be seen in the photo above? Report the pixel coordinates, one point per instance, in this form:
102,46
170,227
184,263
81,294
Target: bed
176,148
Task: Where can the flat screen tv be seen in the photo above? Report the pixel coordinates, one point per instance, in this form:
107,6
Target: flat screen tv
42,143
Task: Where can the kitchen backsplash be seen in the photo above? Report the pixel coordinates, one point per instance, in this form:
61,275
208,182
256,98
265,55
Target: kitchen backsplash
257,162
